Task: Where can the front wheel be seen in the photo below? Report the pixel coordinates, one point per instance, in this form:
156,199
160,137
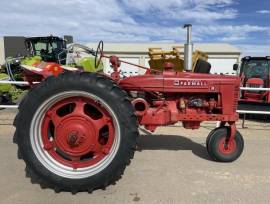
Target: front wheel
220,149
73,134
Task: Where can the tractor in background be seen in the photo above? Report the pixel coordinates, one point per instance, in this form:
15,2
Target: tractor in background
47,48
38,49
53,49
254,73
46,53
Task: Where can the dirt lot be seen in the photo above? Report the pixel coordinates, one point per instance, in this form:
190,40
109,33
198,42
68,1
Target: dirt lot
172,166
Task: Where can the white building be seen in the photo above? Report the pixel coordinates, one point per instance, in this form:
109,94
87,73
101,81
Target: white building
221,56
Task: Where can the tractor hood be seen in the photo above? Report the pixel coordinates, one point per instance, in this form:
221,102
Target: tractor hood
178,82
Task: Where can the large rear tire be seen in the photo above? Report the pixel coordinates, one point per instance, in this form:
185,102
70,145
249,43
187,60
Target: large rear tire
76,132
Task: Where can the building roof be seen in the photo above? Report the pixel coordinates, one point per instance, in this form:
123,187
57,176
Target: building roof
210,48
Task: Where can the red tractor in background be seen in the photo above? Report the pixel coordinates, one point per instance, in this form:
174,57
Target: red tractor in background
78,131
254,73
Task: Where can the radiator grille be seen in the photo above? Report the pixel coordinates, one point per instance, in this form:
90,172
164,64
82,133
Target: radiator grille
236,97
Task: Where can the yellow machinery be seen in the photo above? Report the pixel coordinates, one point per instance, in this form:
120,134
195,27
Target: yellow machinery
158,57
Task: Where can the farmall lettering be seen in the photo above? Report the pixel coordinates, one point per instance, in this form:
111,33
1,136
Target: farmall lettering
190,83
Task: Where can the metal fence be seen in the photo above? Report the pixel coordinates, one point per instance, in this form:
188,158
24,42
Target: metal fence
13,83
239,111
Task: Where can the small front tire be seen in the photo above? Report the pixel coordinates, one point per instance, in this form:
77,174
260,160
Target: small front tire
220,152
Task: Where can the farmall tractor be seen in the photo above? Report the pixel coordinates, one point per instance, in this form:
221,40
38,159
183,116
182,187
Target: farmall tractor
78,131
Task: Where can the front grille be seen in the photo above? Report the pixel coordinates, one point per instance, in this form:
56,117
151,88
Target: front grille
236,98
254,86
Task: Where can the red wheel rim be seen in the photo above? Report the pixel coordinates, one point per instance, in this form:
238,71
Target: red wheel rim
226,147
77,132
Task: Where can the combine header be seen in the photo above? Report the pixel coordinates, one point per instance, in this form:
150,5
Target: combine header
82,131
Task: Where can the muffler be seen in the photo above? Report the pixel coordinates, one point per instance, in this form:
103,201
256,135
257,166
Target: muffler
188,49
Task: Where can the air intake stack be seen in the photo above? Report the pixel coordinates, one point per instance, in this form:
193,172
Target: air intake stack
188,48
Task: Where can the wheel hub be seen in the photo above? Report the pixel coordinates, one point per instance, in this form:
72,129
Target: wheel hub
226,147
75,136
77,132
73,139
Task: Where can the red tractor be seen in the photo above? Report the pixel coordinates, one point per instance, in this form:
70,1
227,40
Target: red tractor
78,131
255,74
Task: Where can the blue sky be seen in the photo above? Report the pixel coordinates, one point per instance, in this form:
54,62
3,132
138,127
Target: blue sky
244,23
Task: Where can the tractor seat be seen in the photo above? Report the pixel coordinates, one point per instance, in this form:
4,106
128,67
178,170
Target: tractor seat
202,66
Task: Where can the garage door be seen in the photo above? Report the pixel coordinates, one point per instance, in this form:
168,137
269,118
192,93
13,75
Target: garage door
222,66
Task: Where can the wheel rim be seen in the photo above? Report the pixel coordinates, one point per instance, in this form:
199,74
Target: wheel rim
75,134
226,149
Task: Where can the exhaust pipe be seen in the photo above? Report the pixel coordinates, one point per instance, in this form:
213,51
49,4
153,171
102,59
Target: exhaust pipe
188,49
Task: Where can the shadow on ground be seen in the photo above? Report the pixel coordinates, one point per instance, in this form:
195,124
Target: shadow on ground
171,142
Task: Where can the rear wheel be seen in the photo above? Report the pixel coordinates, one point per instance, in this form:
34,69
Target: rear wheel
220,149
75,136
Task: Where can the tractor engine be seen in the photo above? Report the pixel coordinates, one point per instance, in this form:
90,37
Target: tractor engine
168,112
181,96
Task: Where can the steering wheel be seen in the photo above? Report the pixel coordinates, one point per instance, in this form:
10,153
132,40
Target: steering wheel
99,54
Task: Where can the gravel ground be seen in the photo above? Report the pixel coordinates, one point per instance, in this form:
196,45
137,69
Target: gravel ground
171,166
